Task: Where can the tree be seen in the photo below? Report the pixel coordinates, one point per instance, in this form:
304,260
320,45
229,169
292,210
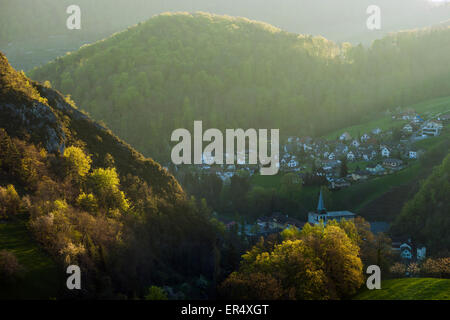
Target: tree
78,163
9,265
156,293
10,202
343,171
256,286
291,186
317,263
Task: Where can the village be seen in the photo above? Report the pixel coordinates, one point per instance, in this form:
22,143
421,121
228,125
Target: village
340,163
347,159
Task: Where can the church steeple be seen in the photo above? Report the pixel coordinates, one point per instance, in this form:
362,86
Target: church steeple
321,206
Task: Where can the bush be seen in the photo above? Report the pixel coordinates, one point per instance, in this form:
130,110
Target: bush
413,269
438,268
156,293
9,265
398,270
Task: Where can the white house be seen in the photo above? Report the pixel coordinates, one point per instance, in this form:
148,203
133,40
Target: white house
350,156
406,251
345,136
421,253
432,128
355,143
365,137
331,156
376,131
408,128
385,152
293,163
413,154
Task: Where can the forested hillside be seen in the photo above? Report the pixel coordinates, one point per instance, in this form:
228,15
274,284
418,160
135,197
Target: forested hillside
89,199
426,216
231,72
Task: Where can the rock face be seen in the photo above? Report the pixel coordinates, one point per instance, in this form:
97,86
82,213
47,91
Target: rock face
25,112
37,120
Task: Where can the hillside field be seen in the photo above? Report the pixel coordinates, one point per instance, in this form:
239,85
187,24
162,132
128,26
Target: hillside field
40,278
409,289
426,109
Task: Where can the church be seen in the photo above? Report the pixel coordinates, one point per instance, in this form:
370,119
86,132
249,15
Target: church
323,215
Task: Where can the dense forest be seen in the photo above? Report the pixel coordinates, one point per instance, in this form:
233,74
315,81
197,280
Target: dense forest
426,216
232,72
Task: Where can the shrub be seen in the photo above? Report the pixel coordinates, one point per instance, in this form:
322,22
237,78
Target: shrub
156,293
9,265
439,268
398,269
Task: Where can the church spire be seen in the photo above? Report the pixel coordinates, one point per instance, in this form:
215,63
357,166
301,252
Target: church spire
321,206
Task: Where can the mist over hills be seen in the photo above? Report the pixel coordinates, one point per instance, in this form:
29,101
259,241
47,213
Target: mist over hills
34,32
235,73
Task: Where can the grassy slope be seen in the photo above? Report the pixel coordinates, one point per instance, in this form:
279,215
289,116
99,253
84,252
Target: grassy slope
425,109
41,278
409,289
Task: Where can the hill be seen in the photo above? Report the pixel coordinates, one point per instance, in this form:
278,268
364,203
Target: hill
73,193
235,73
409,289
33,33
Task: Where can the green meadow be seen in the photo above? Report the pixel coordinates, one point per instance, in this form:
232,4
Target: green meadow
40,277
409,289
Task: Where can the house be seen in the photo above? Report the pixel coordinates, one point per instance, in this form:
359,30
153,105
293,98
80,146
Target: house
418,119
408,128
355,143
376,131
375,169
392,163
339,183
432,128
345,137
412,154
350,156
360,175
385,152
421,253
365,137
444,118
331,156
292,163
406,251
322,215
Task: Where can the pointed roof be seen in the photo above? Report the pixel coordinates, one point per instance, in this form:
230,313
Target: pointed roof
321,206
